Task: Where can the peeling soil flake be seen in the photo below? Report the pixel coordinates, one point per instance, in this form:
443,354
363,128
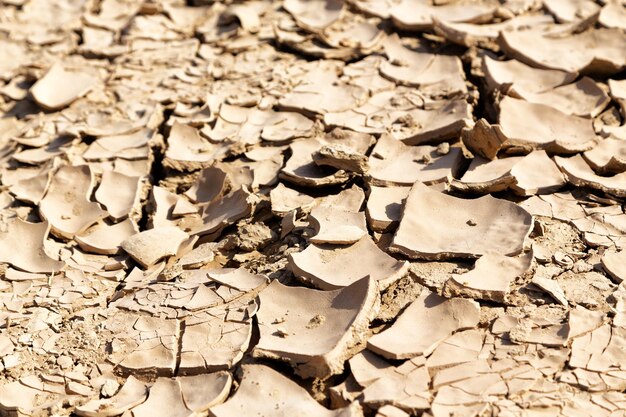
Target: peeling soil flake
324,208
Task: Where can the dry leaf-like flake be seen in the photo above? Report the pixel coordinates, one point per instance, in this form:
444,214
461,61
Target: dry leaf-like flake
518,79
301,167
418,15
608,156
330,267
22,245
264,391
133,393
66,205
285,199
322,92
106,239
435,75
579,173
225,211
119,193
491,277
603,52
435,226
61,86
614,263
484,176
537,126
536,173
442,122
187,150
424,324
312,329
485,35
393,163
150,246
337,226
384,207
314,15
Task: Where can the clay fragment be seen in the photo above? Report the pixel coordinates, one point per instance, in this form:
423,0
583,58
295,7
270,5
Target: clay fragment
438,226
330,267
491,277
22,245
342,158
69,192
614,263
433,74
393,163
225,211
132,393
518,79
106,239
285,199
602,54
426,323
607,157
579,173
314,15
60,86
292,321
418,16
484,176
384,207
337,226
266,392
150,246
536,173
211,184
187,150
119,193
301,168
484,139
537,126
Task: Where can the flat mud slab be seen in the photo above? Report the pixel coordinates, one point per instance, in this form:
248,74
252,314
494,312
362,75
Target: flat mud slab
315,208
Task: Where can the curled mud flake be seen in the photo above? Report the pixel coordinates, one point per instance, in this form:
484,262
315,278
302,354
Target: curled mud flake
394,164
608,157
61,86
544,127
314,15
331,267
106,239
66,205
614,263
150,246
132,393
426,323
428,215
601,54
22,245
337,226
384,207
311,314
491,277
264,391
415,15
579,173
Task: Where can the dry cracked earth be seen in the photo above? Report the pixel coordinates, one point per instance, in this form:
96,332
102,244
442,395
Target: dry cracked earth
318,208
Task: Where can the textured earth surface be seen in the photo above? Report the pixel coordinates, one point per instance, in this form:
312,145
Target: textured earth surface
313,208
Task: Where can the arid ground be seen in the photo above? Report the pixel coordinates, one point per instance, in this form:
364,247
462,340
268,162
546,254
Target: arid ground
313,208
